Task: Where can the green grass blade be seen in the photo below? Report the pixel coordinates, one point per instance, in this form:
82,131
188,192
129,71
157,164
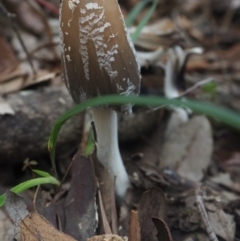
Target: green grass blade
223,115
41,173
135,11
30,183
144,21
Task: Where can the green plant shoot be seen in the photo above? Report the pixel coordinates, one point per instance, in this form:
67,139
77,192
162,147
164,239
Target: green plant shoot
135,12
144,21
45,178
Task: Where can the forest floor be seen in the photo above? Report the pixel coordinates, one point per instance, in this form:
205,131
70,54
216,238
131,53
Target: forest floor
185,175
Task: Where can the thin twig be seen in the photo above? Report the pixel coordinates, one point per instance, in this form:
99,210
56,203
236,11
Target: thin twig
203,213
35,198
12,18
114,209
195,86
66,172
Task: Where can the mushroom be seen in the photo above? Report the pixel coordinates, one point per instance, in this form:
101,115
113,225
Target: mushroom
98,58
174,81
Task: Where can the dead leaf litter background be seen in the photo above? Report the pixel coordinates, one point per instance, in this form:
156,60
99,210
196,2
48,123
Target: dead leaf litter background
166,157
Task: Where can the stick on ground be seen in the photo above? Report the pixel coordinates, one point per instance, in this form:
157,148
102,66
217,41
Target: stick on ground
203,213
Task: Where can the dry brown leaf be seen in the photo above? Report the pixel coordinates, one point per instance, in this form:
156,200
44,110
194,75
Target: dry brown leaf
188,26
153,205
7,57
31,227
188,148
164,233
198,63
34,228
161,33
223,224
21,81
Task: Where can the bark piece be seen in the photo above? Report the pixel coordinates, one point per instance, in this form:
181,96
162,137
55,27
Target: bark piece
25,134
134,229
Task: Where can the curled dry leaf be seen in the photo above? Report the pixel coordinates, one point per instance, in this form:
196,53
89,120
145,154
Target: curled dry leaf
31,227
18,80
35,226
153,205
164,233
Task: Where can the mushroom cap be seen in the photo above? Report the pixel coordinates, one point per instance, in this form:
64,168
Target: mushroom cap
98,57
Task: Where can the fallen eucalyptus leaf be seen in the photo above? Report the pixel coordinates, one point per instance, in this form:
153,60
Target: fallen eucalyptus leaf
188,148
31,227
223,224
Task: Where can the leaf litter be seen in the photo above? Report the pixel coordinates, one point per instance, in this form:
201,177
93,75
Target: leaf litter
32,227
197,150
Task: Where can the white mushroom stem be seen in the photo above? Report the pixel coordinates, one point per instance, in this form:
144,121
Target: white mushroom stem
171,71
105,121
177,58
173,67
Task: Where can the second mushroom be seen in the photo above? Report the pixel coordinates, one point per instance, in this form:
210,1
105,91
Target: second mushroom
98,58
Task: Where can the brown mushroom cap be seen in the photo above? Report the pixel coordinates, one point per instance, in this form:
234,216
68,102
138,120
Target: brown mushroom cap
97,56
